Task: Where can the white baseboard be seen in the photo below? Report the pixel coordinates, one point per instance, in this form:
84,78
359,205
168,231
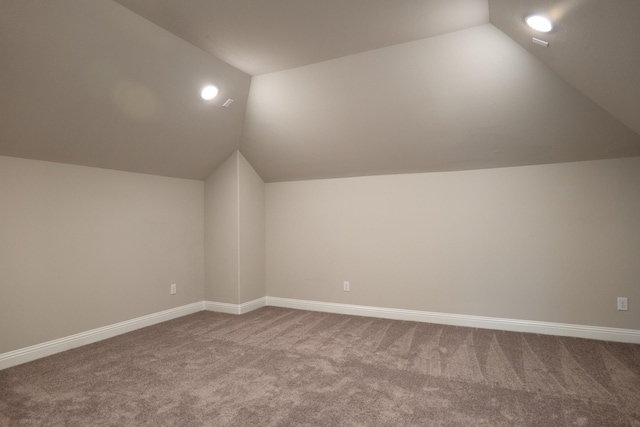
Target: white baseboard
515,325
223,307
48,348
253,305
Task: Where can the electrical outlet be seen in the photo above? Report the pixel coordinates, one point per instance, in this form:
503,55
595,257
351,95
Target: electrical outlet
623,303
345,286
173,288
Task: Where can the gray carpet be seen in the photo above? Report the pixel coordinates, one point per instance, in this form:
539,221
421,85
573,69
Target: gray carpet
282,367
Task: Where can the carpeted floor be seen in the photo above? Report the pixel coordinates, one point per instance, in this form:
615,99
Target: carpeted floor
282,367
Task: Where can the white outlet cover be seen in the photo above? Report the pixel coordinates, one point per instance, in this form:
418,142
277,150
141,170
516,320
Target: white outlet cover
623,304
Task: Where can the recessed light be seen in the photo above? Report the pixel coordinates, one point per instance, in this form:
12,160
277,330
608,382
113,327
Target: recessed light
209,92
539,23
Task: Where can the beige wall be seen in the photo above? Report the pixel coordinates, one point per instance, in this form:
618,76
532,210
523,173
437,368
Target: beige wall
82,248
252,233
221,228
551,243
235,230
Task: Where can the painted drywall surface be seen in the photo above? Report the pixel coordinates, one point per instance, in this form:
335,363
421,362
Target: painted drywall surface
471,99
553,243
91,83
82,248
221,233
252,233
235,233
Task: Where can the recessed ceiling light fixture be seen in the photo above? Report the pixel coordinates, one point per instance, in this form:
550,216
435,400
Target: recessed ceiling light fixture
209,92
539,23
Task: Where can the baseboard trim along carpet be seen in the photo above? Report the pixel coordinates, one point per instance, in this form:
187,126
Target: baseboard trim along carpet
546,328
48,348
27,354
223,307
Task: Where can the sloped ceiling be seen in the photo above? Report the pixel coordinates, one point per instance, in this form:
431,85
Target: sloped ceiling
260,37
470,99
340,88
595,47
92,83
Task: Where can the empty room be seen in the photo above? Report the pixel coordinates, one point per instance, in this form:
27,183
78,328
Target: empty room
319,212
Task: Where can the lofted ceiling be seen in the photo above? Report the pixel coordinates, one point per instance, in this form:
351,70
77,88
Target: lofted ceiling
321,89
94,84
260,37
595,47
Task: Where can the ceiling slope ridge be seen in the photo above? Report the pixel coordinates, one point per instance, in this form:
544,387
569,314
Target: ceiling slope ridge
579,89
261,37
472,99
94,84
593,46
373,50
183,39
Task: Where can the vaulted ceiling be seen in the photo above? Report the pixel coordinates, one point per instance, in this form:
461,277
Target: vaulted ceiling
321,89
